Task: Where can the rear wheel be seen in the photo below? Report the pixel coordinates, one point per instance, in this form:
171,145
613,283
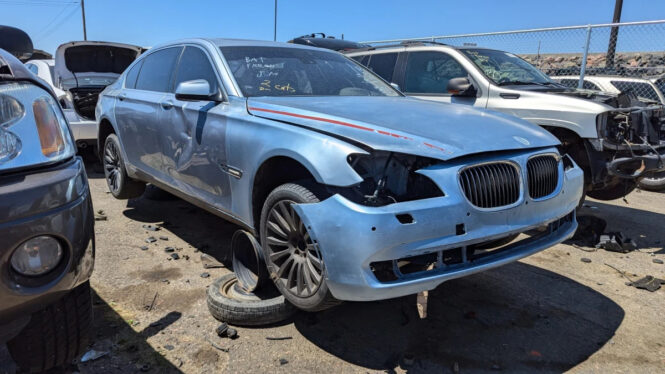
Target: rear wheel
119,183
55,335
294,261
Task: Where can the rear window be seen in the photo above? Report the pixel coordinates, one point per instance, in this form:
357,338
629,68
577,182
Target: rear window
157,71
638,88
99,59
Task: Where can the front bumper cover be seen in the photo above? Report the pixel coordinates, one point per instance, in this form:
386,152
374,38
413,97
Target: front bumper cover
52,201
352,236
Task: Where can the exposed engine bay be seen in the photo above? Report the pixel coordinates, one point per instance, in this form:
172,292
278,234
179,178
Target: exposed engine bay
84,100
390,177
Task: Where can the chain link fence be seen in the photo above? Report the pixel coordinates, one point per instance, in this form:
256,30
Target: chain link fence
605,57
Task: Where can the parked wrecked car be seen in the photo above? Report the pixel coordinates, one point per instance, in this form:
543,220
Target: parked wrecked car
46,226
355,191
81,70
615,138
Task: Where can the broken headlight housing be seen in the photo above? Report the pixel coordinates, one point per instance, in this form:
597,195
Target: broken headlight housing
390,177
33,130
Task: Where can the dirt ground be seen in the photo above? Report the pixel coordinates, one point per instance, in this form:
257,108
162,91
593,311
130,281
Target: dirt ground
550,312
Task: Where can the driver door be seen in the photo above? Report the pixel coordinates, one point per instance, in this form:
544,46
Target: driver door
193,134
426,76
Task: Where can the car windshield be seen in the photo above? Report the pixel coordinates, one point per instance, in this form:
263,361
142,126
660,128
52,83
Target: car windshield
505,68
280,71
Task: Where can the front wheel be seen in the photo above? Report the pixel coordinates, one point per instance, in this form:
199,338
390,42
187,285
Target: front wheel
119,183
55,335
653,181
293,259
616,191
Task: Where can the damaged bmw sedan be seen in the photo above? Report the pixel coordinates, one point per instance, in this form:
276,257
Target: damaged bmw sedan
355,191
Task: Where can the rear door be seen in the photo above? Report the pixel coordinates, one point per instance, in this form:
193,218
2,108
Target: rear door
193,136
139,109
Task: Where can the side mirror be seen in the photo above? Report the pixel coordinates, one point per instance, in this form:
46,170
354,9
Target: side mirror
461,87
195,90
395,86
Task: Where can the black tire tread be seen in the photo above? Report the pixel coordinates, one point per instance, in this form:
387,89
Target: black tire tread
56,335
243,312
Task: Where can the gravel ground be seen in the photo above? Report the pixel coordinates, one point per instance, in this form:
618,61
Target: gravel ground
550,312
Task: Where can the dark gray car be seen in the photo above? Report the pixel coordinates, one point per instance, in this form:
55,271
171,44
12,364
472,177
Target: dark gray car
46,226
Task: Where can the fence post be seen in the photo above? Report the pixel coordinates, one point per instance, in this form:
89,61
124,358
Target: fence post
580,84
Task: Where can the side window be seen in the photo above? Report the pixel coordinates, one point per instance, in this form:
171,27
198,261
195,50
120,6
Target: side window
429,72
361,59
132,74
194,64
157,70
33,68
572,83
383,64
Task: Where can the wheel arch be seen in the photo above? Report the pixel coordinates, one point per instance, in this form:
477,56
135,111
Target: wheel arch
272,173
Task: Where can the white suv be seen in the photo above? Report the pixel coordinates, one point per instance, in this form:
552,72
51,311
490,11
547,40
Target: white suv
615,138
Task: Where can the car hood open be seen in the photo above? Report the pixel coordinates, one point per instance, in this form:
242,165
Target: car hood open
87,63
406,125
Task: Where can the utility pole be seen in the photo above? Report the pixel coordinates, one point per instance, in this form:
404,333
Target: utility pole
614,34
85,34
274,34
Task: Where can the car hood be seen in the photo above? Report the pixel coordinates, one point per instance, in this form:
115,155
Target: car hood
92,63
406,125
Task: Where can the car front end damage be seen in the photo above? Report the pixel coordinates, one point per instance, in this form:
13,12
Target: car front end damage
409,228
634,136
631,137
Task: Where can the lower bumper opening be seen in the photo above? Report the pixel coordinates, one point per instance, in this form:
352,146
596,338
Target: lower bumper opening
459,257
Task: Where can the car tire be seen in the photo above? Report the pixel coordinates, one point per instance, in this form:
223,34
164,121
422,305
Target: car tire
119,183
654,181
303,255
617,191
229,304
56,335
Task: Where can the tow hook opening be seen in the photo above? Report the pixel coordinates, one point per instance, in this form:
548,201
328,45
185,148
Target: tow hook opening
248,263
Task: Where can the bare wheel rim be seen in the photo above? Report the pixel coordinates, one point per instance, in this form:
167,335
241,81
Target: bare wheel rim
298,262
112,166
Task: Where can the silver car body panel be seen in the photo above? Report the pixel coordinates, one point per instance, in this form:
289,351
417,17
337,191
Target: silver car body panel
209,153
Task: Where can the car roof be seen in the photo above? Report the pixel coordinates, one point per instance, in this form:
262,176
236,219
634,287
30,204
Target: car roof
228,42
420,44
49,62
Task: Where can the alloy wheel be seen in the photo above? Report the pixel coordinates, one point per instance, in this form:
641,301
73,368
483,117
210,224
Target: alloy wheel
291,251
112,166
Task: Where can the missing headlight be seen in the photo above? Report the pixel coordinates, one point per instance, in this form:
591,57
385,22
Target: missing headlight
390,178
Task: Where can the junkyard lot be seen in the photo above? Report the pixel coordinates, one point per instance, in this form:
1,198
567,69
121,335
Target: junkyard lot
549,312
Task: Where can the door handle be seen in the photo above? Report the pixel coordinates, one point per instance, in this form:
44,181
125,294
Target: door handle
168,104
122,97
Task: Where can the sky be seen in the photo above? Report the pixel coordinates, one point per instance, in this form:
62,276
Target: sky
150,22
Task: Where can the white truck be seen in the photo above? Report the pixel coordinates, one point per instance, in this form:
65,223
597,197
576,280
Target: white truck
615,138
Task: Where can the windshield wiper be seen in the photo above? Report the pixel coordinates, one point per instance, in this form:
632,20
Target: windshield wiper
520,83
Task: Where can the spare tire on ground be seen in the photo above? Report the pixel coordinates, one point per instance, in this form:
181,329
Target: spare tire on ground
227,302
